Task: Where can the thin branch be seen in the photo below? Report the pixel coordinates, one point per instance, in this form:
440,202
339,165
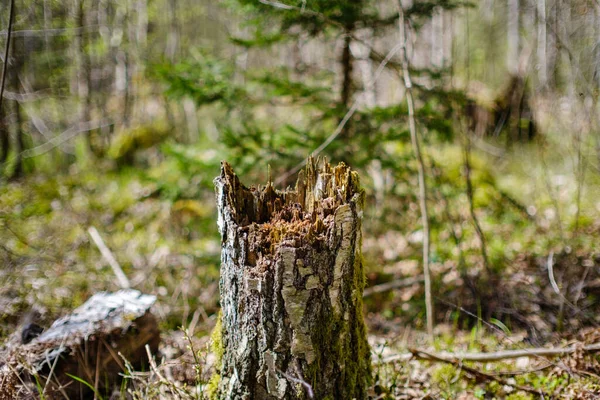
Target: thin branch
579,174
470,196
307,386
50,32
551,273
553,195
108,256
395,284
499,355
25,97
97,375
476,373
70,133
282,6
528,352
563,299
59,351
6,50
175,390
421,170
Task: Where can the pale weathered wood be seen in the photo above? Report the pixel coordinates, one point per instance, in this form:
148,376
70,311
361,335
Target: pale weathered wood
291,288
85,344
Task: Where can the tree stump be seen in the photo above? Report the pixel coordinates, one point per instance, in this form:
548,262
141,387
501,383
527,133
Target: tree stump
291,288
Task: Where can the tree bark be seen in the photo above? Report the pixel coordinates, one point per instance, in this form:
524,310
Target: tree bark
291,288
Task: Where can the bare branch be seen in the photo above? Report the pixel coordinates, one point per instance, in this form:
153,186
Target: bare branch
108,256
25,97
277,4
63,137
499,355
302,382
51,32
396,284
474,372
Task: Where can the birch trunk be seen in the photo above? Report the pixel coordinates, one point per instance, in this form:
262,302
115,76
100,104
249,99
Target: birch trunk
291,288
512,53
541,44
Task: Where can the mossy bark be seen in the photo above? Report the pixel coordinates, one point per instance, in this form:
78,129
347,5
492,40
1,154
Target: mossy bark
291,288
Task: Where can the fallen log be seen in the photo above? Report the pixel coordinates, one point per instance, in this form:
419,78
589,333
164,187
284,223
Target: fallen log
83,352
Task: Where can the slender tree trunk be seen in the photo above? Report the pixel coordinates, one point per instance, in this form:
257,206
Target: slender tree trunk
412,124
596,32
7,51
4,130
512,53
347,85
102,18
470,196
20,143
84,72
291,288
347,68
173,34
554,46
142,23
128,59
47,23
437,39
17,60
4,139
362,54
541,44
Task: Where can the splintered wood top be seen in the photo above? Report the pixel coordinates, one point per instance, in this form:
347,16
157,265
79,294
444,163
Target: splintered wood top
304,213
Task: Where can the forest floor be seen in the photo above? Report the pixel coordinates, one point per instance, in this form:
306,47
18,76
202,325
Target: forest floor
170,247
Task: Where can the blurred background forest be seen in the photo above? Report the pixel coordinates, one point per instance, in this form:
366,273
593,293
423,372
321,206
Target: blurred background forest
116,114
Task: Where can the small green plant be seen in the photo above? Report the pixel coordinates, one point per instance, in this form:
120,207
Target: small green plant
84,382
39,387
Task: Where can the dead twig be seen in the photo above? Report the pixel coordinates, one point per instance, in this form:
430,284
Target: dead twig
70,133
109,257
470,197
550,265
499,355
53,364
176,391
307,386
475,372
7,50
395,284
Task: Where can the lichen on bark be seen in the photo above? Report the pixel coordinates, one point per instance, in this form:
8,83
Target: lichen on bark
291,287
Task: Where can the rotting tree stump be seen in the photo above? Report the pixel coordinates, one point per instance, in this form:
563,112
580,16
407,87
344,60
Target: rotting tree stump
291,288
